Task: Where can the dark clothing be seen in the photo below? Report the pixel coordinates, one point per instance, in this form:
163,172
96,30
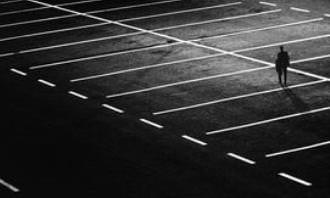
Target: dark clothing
281,64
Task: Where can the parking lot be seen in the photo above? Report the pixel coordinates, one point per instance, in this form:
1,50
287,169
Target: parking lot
200,70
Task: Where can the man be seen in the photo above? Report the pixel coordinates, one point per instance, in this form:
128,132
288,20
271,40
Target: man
282,63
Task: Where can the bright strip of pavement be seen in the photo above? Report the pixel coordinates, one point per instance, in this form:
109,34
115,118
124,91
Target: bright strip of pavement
295,179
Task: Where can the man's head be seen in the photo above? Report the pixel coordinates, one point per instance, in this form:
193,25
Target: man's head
282,48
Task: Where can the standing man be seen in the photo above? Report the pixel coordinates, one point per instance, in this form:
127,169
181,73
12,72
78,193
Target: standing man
282,63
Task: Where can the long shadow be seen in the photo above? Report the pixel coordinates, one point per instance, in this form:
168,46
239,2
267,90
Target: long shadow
299,104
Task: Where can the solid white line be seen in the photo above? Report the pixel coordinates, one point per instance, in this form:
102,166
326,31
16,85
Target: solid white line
295,179
7,54
52,31
38,20
282,43
194,140
179,12
154,33
267,121
23,10
308,74
261,29
234,98
46,83
243,159
327,15
267,3
100,56
132,6
9,186
298,149
310,59
112,108
7,2
151,123
217,20
144,67
77,2
18,72
299,9
78,95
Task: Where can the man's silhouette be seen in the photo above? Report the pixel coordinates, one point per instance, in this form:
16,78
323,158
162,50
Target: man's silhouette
282,63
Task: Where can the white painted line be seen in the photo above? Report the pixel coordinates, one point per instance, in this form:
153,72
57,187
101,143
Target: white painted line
46,83
155,33
52,31
267,3
112,108
144,67
7,2
282,43
18,72
38,20
180,12
298,149
7,54
151,123
132,6
308,74
9,186
78,95
23,10
77,2
235,98
327,15
243,159
99,56
310,59
218,20
268,121
183,82
261,29
194,140
295,179
78,42
299,9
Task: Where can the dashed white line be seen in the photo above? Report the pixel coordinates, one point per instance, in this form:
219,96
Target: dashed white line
37,20
234,98
9,186
268,121
179,12
243,159
268,4
194,140
132,6
298,149
78,95
300,10
7,54
295,179
112,108
327,15
18,72
151,123
46,83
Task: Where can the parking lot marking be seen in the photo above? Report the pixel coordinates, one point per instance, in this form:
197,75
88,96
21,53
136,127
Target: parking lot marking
295,179
267,3
268,121
18,72
327,15
308,74
112,108
261,29
7,54
156,34
52,31
184,82
37,20
9,186
299,10
13,1
194,140
78,95
243,159
46,83
297,149
77,2
217,20
100,56
180,12
151,123
234,98
145,67
23,10
310,59
132,6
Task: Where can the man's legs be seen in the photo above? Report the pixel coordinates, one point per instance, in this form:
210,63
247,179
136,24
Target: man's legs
285,75
279,73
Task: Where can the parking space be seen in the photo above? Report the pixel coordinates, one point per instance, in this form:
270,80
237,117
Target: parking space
204,69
